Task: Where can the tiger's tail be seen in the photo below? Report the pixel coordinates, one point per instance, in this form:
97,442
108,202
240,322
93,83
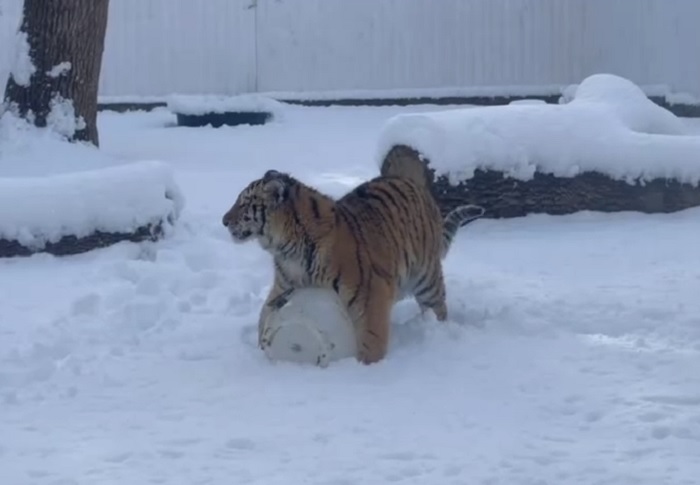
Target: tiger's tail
456,218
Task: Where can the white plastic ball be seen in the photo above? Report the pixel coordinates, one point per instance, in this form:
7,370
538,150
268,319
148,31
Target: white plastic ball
313,327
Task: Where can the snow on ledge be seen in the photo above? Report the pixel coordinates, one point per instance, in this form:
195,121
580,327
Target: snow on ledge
37,210
562,90
203,104
609,126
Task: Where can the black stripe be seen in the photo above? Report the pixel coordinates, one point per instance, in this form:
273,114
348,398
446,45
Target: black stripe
394,185
295,215
362,271
387,221
309,257
287,249
281,274
381,199
280,300
421,281
386,194
408,210
336,283
314,208
352,223
422,229
263,218
424,291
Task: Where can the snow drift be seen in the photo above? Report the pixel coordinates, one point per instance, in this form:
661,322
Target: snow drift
609,126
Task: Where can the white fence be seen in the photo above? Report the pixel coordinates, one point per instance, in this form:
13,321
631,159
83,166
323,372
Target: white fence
156,47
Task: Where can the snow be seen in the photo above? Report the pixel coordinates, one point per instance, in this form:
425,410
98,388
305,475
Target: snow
59,69
62,118
26,151
571,354
135,99
682,98
609,126
655,90
628,103
436,92
520,90
199,105
23,67
50,188
38,210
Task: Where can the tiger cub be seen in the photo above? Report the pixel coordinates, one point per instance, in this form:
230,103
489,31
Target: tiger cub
383,240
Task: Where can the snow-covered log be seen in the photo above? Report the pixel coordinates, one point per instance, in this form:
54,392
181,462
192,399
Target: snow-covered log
71,213
608,149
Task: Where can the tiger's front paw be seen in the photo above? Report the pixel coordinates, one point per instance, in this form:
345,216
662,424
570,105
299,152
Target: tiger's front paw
264,338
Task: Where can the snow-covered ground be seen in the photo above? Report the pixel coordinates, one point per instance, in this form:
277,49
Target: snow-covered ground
572,356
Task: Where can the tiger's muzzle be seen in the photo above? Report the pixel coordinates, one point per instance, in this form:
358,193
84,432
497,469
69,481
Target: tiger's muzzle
238,233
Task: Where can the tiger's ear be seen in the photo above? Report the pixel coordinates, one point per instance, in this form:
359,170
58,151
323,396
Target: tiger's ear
272,174
277,189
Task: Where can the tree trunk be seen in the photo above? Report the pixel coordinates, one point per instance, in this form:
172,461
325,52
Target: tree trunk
65,42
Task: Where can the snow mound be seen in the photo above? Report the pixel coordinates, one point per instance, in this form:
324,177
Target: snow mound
628,102
37,210
28,151
200,105
609,126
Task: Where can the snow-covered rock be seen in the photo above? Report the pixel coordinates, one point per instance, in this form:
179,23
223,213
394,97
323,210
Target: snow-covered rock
608,126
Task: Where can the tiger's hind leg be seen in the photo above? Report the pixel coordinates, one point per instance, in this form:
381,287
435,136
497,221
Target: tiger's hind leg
374,324
430,293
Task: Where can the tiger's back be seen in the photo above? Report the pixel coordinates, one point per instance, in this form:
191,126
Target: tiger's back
397,223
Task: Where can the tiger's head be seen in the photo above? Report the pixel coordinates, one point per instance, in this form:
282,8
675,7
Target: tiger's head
250,215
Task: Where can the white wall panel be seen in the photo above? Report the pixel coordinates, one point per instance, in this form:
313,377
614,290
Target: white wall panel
156,47
648,41
368,44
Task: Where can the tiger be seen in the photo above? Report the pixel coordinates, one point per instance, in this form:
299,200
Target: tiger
382,241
